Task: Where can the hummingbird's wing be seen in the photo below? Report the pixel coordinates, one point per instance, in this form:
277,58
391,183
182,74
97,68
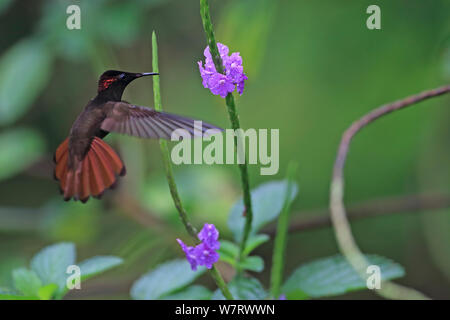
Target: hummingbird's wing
143,122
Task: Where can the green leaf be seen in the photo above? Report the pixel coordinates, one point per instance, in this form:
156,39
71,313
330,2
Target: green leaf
253,263
25,70
20,148
229,248
165,279
26,281
255,241
267,201
190,293
230,260
51,263
243,288
333,276
96,265
48,291
228,252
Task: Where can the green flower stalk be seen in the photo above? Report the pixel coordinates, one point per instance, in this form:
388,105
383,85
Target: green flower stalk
276,276
170,178
234,118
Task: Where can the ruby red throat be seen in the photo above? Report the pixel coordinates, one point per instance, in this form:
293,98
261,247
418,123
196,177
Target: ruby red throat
86,165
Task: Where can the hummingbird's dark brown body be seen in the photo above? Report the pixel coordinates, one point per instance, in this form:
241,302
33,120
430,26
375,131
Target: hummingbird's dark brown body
87,166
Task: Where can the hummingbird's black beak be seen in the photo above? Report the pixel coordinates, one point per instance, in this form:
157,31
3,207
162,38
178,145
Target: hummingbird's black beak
138,75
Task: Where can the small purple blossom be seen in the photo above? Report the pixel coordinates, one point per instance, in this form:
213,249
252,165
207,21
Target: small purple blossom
190,254
222,84
210,235
203,254
282,297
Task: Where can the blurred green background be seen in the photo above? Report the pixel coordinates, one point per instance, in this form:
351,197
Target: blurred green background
313,68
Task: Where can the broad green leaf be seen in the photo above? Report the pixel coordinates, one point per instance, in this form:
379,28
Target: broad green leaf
51,263
229,248
96,265
165,279
333,276
253,263
228,252
194,292
24,72
48,291
243,288
255,241
20,148
267,201
226,258
26,281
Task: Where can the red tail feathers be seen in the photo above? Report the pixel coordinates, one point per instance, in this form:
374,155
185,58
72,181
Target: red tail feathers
97,172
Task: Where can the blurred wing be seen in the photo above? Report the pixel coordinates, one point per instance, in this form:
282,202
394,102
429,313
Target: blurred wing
143,122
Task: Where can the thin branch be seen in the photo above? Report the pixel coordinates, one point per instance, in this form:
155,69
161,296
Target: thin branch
320,218
339,219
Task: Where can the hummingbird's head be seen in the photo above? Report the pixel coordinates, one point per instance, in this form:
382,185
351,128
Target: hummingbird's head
114,81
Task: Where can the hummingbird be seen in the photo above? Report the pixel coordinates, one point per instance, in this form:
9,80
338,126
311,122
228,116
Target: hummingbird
85,165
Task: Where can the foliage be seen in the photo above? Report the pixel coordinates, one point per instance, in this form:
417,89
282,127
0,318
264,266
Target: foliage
243,288
333,276
48,273
320,278
268,201
164,280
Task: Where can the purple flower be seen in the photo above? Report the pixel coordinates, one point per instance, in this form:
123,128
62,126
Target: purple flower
282,297
240,85
190,254
222,84
203,254
210,235
206,256
223,51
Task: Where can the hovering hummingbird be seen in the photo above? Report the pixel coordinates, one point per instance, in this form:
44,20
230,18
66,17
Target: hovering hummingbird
85,164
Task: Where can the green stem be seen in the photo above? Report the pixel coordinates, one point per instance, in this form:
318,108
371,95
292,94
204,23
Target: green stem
234,119
165,150
169,174
279,249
